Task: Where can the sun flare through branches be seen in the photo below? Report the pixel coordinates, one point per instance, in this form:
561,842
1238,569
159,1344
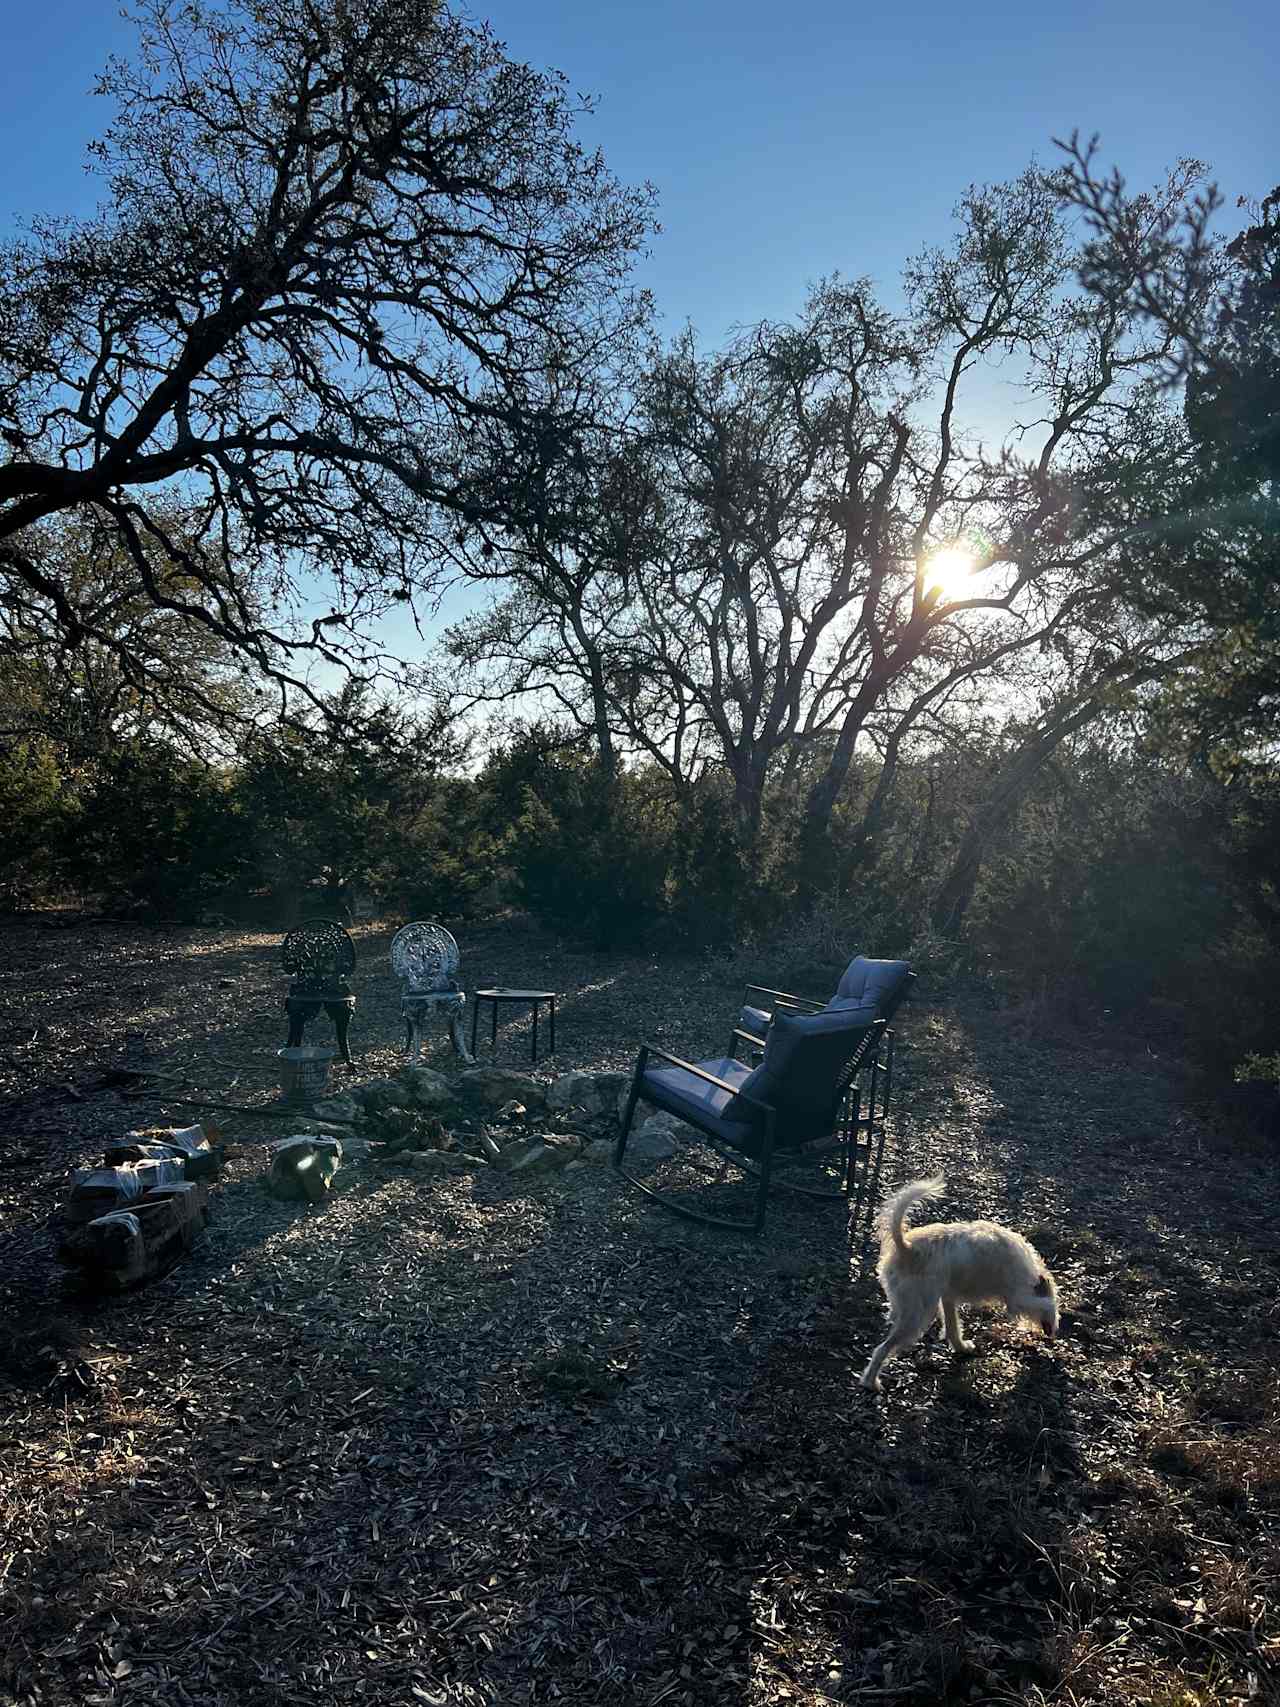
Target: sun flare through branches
948,572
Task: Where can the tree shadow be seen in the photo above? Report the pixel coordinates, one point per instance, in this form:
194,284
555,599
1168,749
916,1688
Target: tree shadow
338,1455
350,1469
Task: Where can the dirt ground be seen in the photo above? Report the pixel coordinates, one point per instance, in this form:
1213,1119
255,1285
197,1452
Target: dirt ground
468,1440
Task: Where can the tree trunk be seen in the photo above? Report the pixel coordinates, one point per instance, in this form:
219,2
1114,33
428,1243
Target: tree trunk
816,865
600,716
748,799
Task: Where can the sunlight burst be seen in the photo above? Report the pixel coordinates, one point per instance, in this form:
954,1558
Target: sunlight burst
949,571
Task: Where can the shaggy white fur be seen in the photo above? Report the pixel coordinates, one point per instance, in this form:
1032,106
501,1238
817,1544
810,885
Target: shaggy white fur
927,1273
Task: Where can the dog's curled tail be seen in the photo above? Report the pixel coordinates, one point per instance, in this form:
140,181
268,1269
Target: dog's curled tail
889,1223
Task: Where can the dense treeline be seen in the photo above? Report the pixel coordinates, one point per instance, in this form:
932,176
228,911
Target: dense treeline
763,641
1122,879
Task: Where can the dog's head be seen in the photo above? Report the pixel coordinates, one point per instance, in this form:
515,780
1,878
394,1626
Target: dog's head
1044,1307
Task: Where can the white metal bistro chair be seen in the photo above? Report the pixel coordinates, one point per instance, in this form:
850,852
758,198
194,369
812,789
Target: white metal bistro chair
425,959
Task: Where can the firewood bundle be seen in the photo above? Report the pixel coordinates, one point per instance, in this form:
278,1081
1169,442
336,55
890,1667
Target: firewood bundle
142,1210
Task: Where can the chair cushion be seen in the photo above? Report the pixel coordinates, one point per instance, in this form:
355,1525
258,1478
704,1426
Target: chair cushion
877,984
693,1099
800,1074
754,1020
854,1006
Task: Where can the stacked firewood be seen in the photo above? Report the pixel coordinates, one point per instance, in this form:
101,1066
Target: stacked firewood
139,1213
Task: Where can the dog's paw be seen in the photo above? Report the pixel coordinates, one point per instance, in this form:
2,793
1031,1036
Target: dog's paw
965,1348
872,1386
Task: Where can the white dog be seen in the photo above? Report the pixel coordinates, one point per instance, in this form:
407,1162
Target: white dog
927,1273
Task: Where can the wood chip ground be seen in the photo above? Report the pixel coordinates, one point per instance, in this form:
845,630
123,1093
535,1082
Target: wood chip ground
472,1440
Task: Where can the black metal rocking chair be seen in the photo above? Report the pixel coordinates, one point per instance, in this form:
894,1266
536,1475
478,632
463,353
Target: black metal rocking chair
803,1100
868,989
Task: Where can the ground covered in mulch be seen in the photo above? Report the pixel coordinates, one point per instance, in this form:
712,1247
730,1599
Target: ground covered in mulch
473,1440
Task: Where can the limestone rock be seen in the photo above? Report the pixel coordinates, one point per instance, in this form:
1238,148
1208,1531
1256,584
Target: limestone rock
344,1110
438,1161
598,1150
537,1157
381,1093
657,1118
548,1151
426,1087
594,1092
656,1139
529,1158
341,1130
488,1148
495,1086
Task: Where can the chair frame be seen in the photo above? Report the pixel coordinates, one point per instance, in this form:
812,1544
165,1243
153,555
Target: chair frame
419,999
323,986
849,1122
808,1005
804,1004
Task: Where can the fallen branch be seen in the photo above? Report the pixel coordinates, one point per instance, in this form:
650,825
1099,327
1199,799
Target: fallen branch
265,1112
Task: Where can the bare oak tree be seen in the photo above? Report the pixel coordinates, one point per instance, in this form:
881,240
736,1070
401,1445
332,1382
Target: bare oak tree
137,670
764,595
338,233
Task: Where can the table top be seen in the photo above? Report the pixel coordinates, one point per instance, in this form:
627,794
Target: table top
523,995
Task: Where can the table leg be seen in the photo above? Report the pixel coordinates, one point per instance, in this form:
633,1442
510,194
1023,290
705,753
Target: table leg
493,1036
533,1054
475,1020
553,1025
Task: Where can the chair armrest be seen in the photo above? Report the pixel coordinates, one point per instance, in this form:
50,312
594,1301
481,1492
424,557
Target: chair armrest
786,996
701,1073
748,1037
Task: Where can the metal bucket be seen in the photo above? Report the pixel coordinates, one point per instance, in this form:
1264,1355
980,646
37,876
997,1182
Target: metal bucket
304,1072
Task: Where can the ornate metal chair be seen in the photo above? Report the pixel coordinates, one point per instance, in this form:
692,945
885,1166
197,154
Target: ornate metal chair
320,956
425,960
804,1099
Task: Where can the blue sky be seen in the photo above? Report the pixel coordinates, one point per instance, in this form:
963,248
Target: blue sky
785,141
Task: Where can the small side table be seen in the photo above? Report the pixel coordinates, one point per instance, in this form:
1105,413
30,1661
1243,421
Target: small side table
497,997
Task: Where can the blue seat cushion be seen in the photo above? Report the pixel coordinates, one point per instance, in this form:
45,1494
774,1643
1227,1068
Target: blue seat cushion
754,1020
683,1094
853,1007
874,984
800,1075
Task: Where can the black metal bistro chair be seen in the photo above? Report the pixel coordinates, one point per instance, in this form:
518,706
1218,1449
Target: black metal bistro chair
804,1099
320,956
868,989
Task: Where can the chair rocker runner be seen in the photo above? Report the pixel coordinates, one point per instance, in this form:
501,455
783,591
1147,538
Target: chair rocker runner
804,1099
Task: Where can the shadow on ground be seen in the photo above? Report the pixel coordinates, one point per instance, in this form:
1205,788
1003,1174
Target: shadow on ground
472,1441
